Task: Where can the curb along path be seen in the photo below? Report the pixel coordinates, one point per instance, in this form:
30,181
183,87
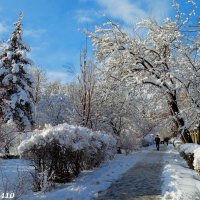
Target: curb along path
142,182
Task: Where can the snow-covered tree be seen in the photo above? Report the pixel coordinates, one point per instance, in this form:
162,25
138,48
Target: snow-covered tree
8,136
40,82
82,92
152,60
54,106
15,82
102,104
188,57
120,110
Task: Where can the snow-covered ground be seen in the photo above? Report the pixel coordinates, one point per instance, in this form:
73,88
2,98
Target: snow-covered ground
88,183
179,182
15,177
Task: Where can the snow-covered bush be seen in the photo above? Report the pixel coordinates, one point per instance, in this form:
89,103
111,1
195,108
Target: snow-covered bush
128,141
61,152
196,162
177,142
187,152
171,141
148,140
188,148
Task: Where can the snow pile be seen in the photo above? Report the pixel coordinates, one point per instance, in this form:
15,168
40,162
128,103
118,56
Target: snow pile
191,153
188,148
176,142
179,182
73,137
196,162
148,140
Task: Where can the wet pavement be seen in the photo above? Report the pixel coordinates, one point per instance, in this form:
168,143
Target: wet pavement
141,182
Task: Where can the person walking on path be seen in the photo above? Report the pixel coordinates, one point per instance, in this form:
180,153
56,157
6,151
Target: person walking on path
157,140
166,140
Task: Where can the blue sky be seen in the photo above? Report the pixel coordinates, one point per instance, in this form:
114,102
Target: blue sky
52,27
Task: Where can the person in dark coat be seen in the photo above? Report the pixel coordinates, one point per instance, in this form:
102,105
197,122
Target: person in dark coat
166,140
157,140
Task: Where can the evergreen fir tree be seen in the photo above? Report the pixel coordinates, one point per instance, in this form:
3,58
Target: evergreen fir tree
16,84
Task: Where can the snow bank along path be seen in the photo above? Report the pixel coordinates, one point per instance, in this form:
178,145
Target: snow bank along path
142,182
180,182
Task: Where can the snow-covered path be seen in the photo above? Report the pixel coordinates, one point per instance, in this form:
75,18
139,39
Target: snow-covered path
89,183
143,175
142,182
158,175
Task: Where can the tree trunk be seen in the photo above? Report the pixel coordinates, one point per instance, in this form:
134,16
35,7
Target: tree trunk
7,151
179,121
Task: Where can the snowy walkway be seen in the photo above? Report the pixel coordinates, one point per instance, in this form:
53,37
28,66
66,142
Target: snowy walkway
143,175
141,182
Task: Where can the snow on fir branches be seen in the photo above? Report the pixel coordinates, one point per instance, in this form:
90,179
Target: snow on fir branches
16,84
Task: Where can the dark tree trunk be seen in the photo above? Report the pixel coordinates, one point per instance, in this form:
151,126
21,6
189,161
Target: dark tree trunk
7,151
178,120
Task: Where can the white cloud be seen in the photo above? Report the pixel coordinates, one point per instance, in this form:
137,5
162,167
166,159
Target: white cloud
34,33
159,9
39,46
85,16
124,10
58,76
130,11
84,19
3,28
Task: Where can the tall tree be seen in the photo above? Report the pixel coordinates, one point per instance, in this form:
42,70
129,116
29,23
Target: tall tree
16,84
54,106
82,93
40,82
147,60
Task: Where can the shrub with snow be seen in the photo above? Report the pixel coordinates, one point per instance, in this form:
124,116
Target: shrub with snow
61,152
177,142
148,140
127,141
187,152
188,148
196,162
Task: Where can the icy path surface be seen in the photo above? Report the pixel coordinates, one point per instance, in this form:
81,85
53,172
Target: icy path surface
142,182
